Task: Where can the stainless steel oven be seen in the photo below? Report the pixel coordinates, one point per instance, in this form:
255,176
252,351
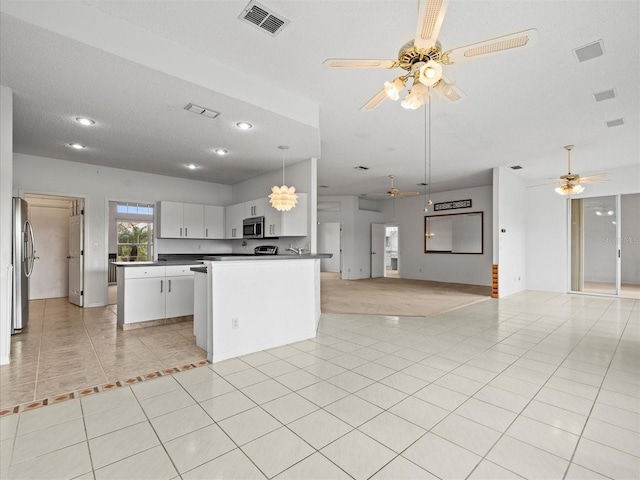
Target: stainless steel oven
253,227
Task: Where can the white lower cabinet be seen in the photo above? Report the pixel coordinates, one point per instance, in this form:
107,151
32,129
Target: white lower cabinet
179,295
154,293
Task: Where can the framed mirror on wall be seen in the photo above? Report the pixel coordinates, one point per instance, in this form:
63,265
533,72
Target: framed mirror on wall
456,233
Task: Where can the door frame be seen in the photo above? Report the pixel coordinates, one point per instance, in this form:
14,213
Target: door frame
107,226
618,249
70,196
380,256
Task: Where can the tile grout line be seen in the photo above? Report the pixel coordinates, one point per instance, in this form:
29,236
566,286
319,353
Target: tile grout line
575,449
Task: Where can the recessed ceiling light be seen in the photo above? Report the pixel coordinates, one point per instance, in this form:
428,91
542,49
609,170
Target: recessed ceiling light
192,166
77,146
85,121
220,151
244,125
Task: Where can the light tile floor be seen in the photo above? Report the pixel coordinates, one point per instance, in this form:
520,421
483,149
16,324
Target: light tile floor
536,385
67,348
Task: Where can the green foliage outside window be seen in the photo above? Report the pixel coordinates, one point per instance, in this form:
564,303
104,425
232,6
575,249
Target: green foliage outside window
135,241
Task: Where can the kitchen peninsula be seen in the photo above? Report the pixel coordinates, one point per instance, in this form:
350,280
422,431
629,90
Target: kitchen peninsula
244,304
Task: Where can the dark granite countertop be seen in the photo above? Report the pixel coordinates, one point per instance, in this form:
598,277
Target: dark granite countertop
236,258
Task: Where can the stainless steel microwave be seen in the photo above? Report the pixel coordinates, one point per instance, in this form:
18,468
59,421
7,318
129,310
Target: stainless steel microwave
253,227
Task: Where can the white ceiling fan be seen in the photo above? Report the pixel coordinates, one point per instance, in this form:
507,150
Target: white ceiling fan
422,58
571,183
395,193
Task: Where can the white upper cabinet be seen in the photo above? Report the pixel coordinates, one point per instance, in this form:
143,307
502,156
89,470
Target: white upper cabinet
180,220
233,216
193,220
213,222
170,220
256,208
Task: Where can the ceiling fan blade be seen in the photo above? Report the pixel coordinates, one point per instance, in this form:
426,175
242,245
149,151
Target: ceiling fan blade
449,90
582,180
374,101
409,194
430,16
589,177
543,184
358,63
523,39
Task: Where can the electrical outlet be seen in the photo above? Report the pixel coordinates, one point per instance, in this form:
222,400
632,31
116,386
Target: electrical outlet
235,323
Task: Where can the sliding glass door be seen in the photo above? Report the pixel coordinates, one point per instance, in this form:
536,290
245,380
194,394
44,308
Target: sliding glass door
595,245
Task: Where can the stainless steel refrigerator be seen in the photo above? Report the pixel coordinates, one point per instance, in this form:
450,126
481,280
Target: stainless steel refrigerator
23,260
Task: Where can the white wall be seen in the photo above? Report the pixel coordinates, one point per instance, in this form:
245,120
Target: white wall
547,233
356,233
441,267
509,246
98,185
6,224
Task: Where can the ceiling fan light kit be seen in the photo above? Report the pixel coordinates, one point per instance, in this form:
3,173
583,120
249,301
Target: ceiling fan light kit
423,58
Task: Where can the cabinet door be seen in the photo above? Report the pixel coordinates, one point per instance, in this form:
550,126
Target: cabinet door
170,220
272,221
193,220
295,221
179,300
234,214
213,222
255,208
144,299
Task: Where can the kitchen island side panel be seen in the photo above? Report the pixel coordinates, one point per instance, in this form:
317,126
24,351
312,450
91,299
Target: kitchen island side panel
259,305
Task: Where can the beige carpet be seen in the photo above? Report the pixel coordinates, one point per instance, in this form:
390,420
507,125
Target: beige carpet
395,296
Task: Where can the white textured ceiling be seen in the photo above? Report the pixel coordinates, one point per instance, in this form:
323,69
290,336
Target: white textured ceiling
132,66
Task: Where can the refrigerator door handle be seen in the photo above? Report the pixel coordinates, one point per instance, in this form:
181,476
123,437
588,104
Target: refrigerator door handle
31,257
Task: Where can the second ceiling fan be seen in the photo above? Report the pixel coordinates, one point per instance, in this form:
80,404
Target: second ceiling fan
422,58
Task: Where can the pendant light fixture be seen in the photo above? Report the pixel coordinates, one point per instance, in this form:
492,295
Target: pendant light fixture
283,198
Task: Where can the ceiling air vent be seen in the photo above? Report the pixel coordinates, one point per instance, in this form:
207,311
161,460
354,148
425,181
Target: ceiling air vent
615,123
263,18
590,51
606,95
205,112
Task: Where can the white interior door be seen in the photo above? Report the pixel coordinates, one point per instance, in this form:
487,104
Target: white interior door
329,242
378,232
76,253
